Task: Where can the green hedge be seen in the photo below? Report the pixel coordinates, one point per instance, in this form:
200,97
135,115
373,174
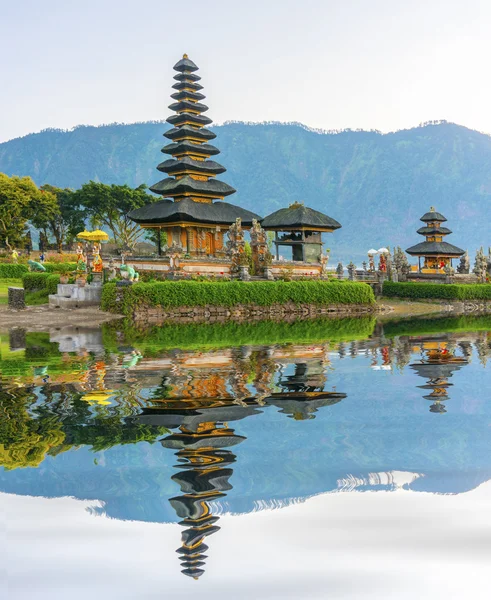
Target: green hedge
62,267
451,291
171,294
46,282
10,271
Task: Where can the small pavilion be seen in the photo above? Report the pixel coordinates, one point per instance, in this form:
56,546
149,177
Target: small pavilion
436,253
193,213
300,228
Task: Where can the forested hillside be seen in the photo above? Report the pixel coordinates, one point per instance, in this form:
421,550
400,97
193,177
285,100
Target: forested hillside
376,185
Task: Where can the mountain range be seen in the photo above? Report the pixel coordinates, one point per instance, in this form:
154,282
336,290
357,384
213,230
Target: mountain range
376,185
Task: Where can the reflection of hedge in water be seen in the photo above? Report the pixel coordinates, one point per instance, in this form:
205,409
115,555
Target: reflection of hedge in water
216,335
437,325
29,433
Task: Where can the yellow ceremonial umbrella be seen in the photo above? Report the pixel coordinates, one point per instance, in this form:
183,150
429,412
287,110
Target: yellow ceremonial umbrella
84,235
98,236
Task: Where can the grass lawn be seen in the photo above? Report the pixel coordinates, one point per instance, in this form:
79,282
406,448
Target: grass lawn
4,285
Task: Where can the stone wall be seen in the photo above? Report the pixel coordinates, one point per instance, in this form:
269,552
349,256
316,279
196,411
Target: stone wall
241,312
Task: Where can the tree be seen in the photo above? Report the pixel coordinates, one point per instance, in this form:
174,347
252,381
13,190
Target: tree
67,221
21,201
109,205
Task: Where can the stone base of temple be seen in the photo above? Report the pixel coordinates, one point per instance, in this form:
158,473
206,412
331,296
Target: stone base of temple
175,268
73,296
185,268
295,269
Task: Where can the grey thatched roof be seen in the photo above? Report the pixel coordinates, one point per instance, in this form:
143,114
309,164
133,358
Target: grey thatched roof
435,249
187,77
299,216
185,146
187,84
186,131
183,105
200,167
185,64
186,94
433,230
171,187
433,215
186,117
188,211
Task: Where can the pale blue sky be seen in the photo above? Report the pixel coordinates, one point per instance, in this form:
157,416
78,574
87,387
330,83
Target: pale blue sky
383,64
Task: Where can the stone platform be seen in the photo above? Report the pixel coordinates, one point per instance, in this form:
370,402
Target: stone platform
72,296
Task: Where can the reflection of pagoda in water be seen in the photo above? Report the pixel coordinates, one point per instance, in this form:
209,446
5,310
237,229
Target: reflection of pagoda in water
202,443
437,367
200,396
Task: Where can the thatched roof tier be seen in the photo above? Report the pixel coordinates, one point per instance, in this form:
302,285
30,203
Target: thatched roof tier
173,188
187,118
184,147
297,216
433,215
433,231
185,65
188,95
188,165
187,77
185,105
187,132
189,85
167,212
443,249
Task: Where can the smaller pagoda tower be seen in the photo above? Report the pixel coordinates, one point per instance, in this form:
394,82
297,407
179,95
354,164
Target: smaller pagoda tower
436,253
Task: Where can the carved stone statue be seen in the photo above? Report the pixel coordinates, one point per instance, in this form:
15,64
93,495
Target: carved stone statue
235,247
481,265
111,273
261,256
351,270
324,259
464,264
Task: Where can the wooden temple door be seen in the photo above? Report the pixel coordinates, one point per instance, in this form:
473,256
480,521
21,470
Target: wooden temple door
210,243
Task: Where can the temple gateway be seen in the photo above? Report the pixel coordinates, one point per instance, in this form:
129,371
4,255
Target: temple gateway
204,234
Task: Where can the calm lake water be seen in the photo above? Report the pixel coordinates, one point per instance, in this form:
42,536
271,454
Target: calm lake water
331,459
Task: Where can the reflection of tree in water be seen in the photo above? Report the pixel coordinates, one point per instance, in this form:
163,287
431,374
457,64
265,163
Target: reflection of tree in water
24,439
30,431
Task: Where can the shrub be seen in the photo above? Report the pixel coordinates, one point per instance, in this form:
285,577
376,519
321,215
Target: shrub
171,294
41,282
452,291
12,271
60,267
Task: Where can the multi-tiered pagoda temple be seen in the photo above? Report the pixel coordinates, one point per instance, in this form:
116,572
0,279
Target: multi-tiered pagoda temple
194,215
437,254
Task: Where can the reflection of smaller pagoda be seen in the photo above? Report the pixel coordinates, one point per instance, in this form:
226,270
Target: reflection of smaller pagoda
303,392
437,367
